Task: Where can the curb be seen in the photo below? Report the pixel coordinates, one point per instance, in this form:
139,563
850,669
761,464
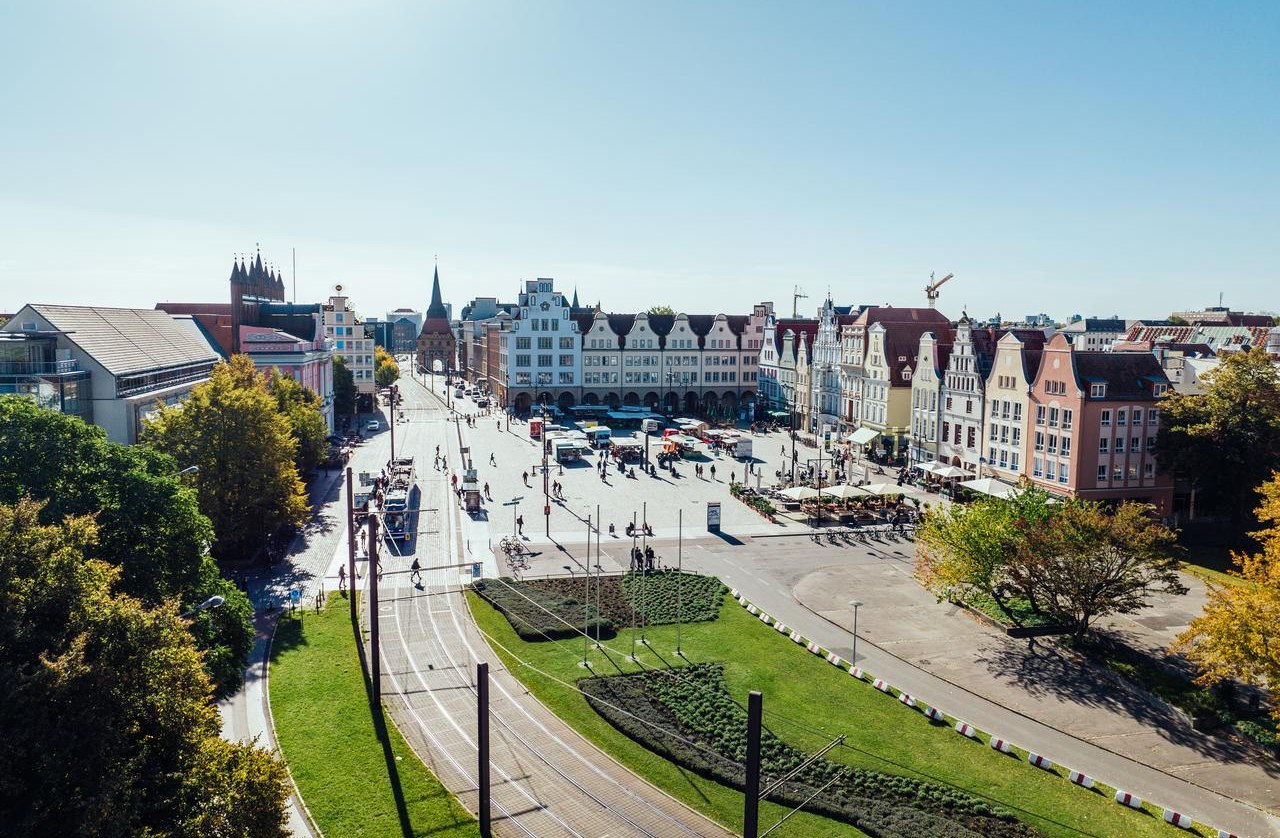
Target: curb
271,723
932,714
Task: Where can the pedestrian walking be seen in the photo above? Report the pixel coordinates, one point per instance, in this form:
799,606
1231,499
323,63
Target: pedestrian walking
342,577
525,477
416,576
486,491
713,471
492,461
519,525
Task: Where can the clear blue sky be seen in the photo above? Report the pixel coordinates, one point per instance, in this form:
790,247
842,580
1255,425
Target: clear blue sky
1063,157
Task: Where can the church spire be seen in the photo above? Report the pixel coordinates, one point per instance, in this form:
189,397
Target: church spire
436,309
574,306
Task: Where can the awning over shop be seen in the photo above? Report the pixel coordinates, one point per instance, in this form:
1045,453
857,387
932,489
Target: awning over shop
863,435
780,414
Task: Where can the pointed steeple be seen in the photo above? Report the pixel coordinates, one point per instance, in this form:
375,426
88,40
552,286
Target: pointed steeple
436,309
574,305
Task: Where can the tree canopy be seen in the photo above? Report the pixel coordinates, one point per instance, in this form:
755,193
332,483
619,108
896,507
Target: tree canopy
1238,636
148,520
109,730
660,310
1074,560
301,406
1226,440
344,388
385,369
231,428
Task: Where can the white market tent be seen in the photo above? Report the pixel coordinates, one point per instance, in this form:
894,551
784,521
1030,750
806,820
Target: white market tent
799,493
929,468
950,472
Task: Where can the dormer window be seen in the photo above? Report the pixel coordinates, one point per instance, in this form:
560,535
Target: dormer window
1160,388
1097,391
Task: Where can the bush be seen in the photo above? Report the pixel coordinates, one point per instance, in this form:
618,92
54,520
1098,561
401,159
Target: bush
689,718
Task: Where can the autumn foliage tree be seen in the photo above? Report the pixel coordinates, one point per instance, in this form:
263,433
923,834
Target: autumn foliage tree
108,725
1226,440
232,429
385,369
1238,636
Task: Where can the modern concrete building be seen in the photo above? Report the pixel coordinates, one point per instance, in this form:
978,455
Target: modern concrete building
109,366
1094,420
1095,334
406,324
346,330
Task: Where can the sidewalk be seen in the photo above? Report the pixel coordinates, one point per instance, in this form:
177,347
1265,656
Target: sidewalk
1063,709
246,715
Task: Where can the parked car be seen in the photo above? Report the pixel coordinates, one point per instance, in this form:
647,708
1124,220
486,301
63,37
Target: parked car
374,425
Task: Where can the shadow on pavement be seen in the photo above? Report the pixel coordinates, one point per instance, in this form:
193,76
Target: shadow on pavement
1044,669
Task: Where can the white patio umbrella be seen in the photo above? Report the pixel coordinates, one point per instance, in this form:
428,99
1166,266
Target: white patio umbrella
950,472
843,491
799,493
882,489
928,468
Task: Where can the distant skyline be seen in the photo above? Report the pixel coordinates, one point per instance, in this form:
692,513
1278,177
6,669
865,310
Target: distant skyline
1091,158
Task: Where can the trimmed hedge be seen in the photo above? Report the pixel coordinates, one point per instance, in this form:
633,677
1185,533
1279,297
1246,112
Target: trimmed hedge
533,623
657,600
692,704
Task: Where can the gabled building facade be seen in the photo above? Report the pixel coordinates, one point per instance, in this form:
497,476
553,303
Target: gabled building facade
1008,396
926,398
437,346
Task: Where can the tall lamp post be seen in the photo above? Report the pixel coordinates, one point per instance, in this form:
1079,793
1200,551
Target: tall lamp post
855,605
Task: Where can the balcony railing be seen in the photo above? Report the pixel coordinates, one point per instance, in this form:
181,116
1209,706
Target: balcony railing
38,367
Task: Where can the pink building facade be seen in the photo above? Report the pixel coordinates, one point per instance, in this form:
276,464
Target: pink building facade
1092,423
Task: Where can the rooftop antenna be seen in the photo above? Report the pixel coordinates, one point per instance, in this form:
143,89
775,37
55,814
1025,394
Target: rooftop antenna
295,276
796,297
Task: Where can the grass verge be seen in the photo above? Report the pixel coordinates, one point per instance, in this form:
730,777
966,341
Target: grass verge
353,782
808,703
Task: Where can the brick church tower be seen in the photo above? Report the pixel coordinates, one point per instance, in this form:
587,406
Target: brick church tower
436,341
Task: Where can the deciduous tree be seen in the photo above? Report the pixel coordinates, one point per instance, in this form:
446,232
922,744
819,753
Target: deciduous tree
149,523
385,369
344,389
963,549
1238,636
1226,440
1086,562
108,727
230,427
301,406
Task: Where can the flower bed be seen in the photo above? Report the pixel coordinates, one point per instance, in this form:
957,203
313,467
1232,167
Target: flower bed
657,601
689,718
757,502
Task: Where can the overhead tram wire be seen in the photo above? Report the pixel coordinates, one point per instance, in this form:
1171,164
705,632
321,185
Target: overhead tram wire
543,758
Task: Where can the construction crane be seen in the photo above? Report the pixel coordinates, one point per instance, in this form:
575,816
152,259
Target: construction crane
796,297
931,290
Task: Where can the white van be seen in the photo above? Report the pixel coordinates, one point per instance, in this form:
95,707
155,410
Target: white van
650,426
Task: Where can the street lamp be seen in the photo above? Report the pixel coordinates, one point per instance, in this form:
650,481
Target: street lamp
186,471
855,604
212,602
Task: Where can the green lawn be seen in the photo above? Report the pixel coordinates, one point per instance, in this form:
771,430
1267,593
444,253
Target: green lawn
807,702
351,782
